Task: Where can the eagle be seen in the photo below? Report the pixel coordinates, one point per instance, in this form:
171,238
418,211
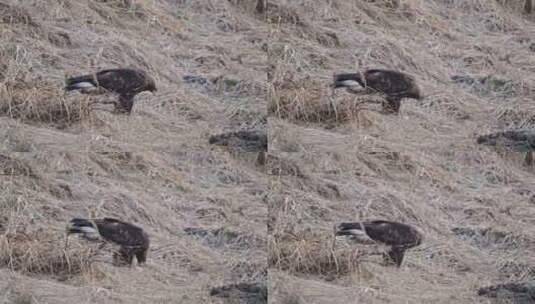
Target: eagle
125,82
244,141
398,236
132,240
395,85
522,140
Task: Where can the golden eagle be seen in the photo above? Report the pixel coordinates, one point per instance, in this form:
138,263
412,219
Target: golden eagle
133,241
522,140
395,85
397,235
125,82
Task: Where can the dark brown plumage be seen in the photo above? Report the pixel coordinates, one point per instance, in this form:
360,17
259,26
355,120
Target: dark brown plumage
522,140
397,235
133,241
395,85
125,82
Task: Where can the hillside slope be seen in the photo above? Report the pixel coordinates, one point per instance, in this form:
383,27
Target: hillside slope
338,161
62,156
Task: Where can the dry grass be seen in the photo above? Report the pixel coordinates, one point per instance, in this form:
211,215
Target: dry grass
314,105
11,166
40,254
12,14
313,255
421,167
41,104
66,155
331,158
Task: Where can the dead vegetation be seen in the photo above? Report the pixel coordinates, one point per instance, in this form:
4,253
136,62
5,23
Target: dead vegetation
252,293
518,293
279,165
12,14
316,107
331,158
41,254
528,6
280,14
338,158
13,167
312,254
65,156
41,104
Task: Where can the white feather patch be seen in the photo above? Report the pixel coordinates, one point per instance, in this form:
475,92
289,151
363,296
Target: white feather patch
88,229
355,232
83,85
349,83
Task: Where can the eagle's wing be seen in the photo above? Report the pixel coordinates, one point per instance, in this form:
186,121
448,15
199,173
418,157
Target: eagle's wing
112,80
120,233
389,82
389,233
379,231
378,80
122,81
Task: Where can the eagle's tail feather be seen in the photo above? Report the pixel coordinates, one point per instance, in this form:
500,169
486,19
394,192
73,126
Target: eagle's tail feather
80,82
349,229
79,85
83,230
80,225
347,80
81,222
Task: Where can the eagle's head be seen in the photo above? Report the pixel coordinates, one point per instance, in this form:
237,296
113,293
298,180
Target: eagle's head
150,85
83,226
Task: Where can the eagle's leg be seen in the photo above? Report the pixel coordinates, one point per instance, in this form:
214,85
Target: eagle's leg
141,256
529,158
396,255
393,104
126,103
389,257
66,241
261,158
123,257
355,256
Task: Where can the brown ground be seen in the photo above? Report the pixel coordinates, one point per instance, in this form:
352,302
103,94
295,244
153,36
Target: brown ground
331,158
344,161
62,158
